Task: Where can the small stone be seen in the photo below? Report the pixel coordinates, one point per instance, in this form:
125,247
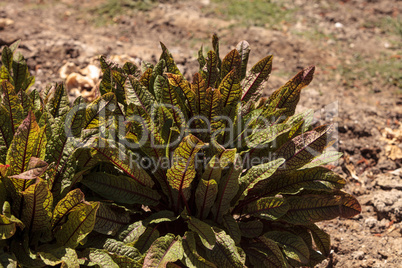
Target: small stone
370,222
358,255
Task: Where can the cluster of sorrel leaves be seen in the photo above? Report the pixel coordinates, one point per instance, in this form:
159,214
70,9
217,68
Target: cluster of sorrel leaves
159,171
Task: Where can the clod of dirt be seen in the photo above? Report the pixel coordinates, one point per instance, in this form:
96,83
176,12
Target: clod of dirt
388,204
394,139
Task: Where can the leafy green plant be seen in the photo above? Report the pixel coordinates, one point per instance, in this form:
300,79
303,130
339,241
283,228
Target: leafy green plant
191,174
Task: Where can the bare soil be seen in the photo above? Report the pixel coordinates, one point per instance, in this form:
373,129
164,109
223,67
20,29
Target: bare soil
351,43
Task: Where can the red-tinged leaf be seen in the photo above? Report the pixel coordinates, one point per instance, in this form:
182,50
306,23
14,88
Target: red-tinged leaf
225,253
169,61
205,196
138,95
36,168
243,48
146,239
198,86
164,250
66,205
109,220
317,178
251,229
100,110
145,78
264,252
258,74
105,150
204,231
181,83
37,210
12,104
22,147
305,147
192,258
292,245
321,239
182,173
307,209
6,133
57,102
210,71
79,224
268,208
230,89
288,95
121,189
231,61
228,187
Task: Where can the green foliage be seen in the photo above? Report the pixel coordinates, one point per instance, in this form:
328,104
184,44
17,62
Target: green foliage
159,171
252,13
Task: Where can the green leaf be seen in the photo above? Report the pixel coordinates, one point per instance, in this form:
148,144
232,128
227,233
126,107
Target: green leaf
102,258
205,195
243,48
109,220
215,45
66,257
318,178
169,61
228,187
37,211
165,249
22,147
192,258
107,150
264,252
288,95
182,173
121,189
146,239
232,61
69,203
181,83
198,86
12,104
251,229
57,101
321,239
258,74
210,71
224,253
323,159
230,89
79,224
3,193
132,232
257,174
36,168
6,133
7,57
305,147
204,231
100,110
211,108
122,249
232,228
138,95
269,208
307,209
293,246
8,227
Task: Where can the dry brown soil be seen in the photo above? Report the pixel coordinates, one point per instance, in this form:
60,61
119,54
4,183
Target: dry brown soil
341,38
